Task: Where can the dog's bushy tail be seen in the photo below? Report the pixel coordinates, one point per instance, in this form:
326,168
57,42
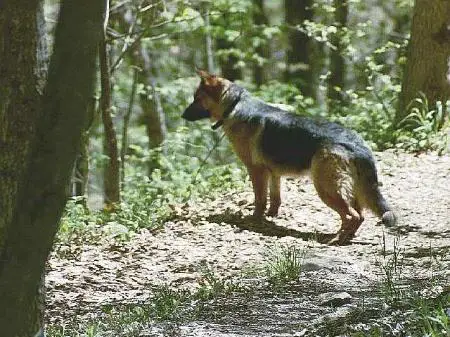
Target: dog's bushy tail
371,194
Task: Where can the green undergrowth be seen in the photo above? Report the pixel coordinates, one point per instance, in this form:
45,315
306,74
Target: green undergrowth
195,165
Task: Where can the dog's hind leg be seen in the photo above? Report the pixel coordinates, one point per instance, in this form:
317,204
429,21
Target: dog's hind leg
332,174
275,197
259,176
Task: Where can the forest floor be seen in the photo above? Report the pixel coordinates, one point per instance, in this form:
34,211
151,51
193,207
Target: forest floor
211,246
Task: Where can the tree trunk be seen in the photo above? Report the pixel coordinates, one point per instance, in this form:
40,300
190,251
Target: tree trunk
126,123
208,41
428,55
23,71
260,20
152,111
336,81
228,61
300,49
153,114
111,174
40,140
80,173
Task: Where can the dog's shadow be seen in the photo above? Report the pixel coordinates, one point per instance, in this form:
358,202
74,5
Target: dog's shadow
267,227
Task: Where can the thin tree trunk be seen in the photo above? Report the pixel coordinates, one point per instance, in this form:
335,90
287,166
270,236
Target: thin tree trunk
336,81
428,56
300,50
126,122
111,180
208,41
228,62
153,113
80,174
260,20
36,193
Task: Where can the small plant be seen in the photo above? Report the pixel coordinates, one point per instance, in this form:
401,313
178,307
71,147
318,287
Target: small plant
284,265
424,128
435,319
167,302
212,286
391,271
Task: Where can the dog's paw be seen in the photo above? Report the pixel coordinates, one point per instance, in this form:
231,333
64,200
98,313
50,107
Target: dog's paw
341,238
272,212
257,216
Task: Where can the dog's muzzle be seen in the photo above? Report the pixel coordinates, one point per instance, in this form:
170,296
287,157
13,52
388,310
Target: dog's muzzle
195,112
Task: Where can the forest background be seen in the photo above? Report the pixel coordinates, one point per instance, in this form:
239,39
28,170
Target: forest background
378,67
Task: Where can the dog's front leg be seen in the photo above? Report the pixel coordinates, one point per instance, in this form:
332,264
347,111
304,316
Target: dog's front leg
275,198
259,176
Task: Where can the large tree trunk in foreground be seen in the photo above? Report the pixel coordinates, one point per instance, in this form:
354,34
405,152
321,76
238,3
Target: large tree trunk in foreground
23,74
300,49
33,198
428,55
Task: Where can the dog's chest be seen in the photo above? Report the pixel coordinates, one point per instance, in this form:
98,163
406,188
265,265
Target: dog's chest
245,141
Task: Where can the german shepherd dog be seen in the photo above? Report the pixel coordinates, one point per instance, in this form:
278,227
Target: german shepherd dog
272,142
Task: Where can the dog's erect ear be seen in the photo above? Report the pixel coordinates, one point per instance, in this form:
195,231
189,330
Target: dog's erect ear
207,78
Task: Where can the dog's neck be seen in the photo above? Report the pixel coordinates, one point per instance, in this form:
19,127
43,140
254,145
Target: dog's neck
229,109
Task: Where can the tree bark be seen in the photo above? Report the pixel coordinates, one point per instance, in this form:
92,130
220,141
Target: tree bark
80,175
153,113
428,55
111,174
126,123
208,41
336,81
300,49
35,194
23,72
260,20
228,62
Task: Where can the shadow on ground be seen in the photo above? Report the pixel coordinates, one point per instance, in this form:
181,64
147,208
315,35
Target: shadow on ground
267,227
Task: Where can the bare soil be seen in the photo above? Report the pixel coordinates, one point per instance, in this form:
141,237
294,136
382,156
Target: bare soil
218,234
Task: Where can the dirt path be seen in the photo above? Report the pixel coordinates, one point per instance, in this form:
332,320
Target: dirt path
214,234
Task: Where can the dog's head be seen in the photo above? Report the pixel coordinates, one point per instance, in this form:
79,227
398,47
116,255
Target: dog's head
208,98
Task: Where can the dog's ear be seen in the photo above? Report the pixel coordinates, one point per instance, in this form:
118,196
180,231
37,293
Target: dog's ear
207,78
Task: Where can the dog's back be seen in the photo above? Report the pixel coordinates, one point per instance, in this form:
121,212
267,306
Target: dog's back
291,140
